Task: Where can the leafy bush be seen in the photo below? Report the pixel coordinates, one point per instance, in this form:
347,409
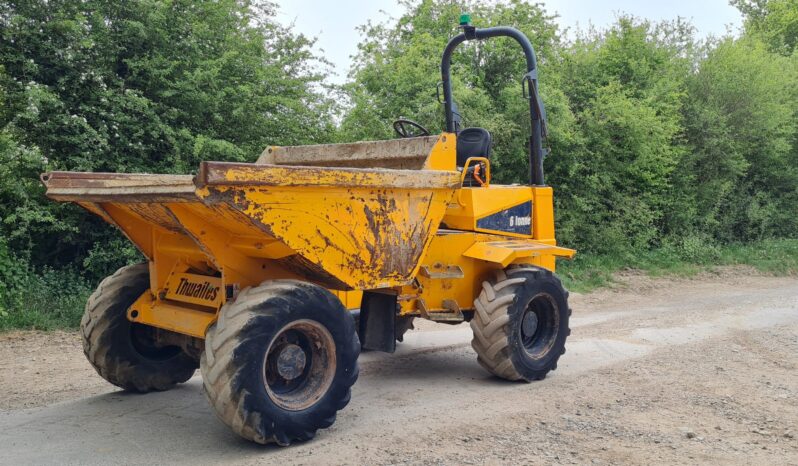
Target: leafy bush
9,281
45,300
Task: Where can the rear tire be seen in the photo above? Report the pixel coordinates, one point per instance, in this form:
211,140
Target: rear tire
280,361
520,323
121,351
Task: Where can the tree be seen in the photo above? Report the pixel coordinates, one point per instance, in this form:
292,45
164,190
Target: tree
626,86
740,121
148,86
774,21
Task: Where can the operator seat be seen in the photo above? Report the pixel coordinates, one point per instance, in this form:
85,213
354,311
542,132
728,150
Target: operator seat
472,142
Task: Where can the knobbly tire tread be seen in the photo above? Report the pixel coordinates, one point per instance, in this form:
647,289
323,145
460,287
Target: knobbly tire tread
230,359
494,310
106,335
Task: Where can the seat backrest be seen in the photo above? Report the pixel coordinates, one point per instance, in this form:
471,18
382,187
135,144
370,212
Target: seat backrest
472,142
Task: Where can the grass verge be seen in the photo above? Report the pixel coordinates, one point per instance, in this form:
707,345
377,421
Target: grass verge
47,300
586,273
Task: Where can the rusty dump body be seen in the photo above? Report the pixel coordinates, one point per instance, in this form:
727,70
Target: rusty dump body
413,231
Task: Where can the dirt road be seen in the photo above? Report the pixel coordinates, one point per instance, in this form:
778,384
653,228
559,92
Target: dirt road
661,371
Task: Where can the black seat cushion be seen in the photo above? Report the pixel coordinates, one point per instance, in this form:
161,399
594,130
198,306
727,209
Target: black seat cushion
472,142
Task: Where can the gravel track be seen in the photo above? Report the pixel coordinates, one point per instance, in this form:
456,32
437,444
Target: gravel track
685,371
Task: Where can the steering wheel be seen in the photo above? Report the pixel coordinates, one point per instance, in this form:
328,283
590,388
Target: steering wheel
409,129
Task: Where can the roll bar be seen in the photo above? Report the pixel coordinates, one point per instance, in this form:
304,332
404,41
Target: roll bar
529,85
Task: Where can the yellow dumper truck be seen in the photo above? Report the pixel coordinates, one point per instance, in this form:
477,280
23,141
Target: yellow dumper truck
253,269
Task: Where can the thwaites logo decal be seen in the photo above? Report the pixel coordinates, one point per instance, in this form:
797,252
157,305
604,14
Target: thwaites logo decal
196,289
516,219
202,290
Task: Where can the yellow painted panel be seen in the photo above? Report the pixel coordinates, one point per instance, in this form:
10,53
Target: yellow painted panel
168,316
486,252
266,248
506,252
444,154
350,299
138,231
216,243
446,249
543,213
478,255
471,204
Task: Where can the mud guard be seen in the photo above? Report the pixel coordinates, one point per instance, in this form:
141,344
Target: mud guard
377,329
505,252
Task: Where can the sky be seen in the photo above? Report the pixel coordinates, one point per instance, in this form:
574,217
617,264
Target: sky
334,22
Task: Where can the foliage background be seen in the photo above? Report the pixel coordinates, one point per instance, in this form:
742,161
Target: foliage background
659,141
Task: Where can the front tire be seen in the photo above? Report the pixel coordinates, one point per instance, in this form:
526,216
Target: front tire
520,323
122,352
280,361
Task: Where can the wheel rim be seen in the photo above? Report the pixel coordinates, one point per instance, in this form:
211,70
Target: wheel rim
539,325
299,365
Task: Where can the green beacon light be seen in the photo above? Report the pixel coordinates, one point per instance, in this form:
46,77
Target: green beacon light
465,19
